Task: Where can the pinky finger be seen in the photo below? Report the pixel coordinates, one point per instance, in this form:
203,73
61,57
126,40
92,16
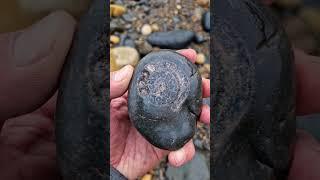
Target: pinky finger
183,155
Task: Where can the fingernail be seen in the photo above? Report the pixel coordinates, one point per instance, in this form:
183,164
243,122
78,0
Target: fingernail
121,74
36,42
179,157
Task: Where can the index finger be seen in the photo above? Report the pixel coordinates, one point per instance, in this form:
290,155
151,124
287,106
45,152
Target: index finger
189,54
192,56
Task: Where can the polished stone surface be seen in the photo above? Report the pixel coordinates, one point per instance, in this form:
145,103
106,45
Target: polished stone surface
165,97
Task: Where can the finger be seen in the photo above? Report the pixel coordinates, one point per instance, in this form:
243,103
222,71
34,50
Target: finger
308,84
119,81
306,160
183,155
189,53
49,108
31,62
205,88
205,114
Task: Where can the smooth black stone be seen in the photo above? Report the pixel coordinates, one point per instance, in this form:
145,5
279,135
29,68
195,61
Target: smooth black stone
177,39
253,93
82,123
165,97
206,21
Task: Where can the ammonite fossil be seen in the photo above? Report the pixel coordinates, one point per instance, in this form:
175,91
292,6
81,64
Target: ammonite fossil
165,99
253,93
82,123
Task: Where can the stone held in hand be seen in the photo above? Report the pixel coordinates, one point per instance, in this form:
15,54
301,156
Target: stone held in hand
164,99
177,39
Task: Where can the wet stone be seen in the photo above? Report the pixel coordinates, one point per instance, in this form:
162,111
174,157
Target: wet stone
206,21
164,99
177,39
199,39
124,56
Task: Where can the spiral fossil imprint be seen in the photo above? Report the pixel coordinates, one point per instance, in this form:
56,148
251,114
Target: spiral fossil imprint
165,98
253,93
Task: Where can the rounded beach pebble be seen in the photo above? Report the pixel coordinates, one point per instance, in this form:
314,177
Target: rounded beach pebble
165,97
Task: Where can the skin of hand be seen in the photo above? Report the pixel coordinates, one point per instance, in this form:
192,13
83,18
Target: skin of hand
130,153
30,64
306,156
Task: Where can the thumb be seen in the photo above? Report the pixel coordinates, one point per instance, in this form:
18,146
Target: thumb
119,81
30,63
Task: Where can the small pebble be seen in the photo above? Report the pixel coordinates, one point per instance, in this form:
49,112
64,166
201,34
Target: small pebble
203,3
176,39
199,39
146,29
117,10
147,177
114,39
129,17
198,143
179,7
113,65
201,58
207,67
155,27
197,14
144,47
206,21
124,55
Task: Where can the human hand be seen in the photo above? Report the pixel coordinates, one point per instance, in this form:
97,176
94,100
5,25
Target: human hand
130,153
31,61
306,158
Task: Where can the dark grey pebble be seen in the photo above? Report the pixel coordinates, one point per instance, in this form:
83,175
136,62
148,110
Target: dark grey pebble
125,40
199,39
164,99
206,21
176,39
128,17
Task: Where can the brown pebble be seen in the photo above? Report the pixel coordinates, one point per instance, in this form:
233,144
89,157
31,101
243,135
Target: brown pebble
203,3
201,58
117,10
147,177
114,39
